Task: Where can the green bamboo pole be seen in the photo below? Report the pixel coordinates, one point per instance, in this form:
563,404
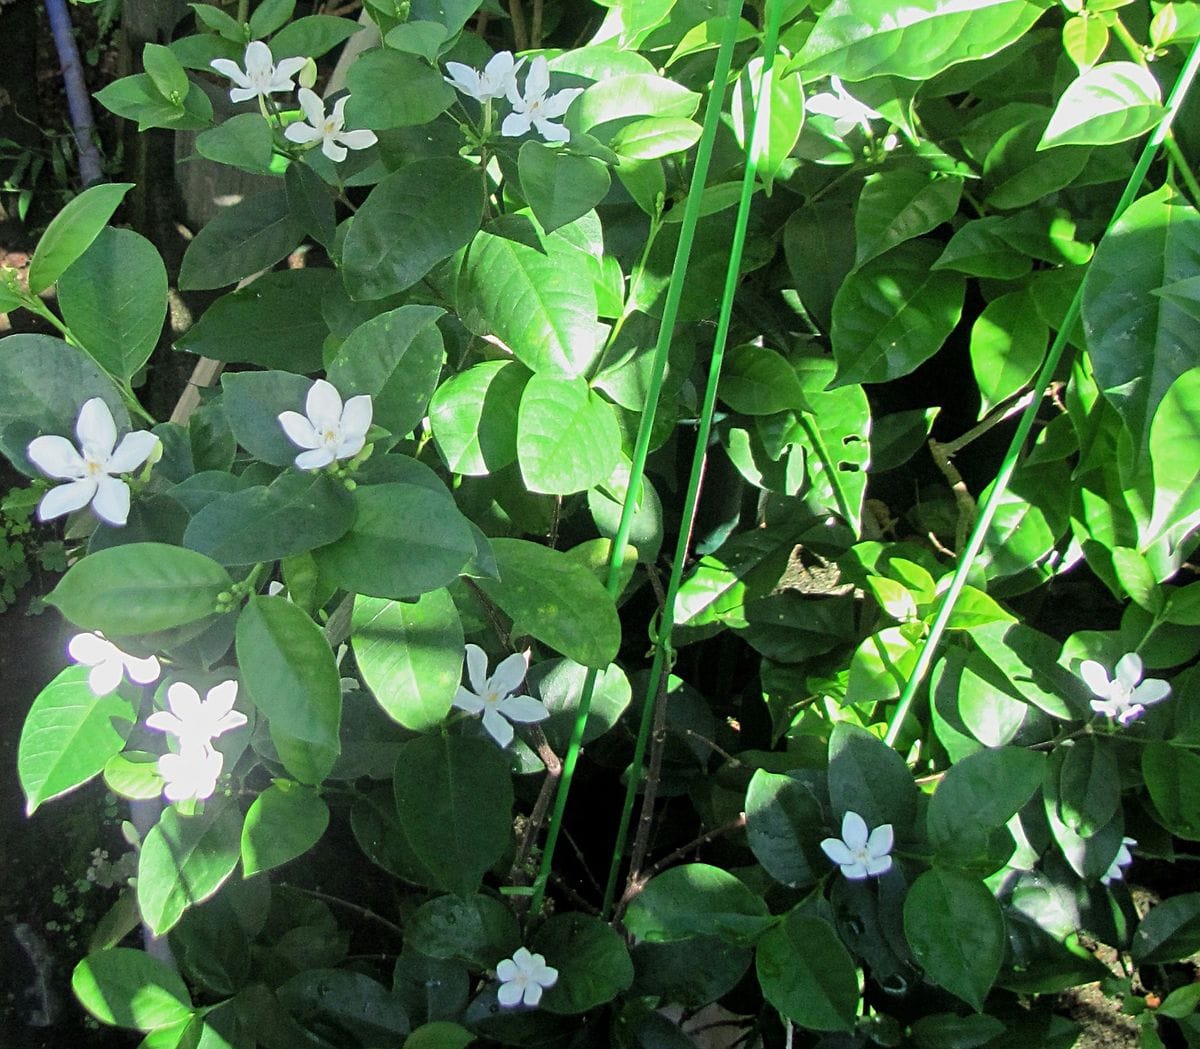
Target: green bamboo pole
691,216
759,125
1009,464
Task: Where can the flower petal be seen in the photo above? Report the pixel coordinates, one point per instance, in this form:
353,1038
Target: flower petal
477,664
547,975
95,426
467,701
298,429
104,677
854,871
220,698
1095,677
837,851
311,106
142,671
358,140
230,69
523,709
537,80
877,865
258,57
335,153
90,649
356,416
499,729
510,994
515,124
854,830
135,448
315,459
552,132
1129,669
111,503
1152,690
323,406
66,498
533,994
507,971
510,673
184,702
881,840
288,68
559,102
165,721
57,457
300,133
523,960
242,94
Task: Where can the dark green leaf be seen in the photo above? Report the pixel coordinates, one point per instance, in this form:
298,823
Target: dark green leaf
591,958
285,821
72,231
697,900
476,930
252,235
807,974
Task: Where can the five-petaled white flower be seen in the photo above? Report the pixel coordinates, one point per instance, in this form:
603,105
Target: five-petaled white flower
523,977
493,695
1126,696
847,111
192,773
91,470
858,854
494,82
109,664
196,722
330,430
537,109
1116,870
261,77
326,129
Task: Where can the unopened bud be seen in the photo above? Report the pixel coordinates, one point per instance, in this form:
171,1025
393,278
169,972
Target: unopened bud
308,75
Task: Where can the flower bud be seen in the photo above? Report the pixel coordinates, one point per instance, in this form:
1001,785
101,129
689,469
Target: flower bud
308,75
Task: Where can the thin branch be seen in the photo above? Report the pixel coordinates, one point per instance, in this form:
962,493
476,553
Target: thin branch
489,610
535,25
362,912
520,34
658,740
541,806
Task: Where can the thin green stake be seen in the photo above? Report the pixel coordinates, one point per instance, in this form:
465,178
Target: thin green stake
759,125
691,216
1017,445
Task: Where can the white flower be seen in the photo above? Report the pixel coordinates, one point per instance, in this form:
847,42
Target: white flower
1123,859
1123,698
493,695
91,470
197,722
859,855
494,82
847,112
109,664
330,431
192,773
326,129
523,977
261,76
536,108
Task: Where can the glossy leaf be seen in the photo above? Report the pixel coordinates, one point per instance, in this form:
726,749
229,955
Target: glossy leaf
129,988
1172,776
68,736
868,777
1109,103
592,960
697,900
807,974
1008,344
247,237
567,436
1169,932
253,402
374,102
284,821
474,417
756,380
785,824
1176,425
410,655
898,207
72,232
558,186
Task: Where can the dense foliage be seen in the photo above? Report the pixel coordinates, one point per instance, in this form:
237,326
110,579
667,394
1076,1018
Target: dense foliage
917,792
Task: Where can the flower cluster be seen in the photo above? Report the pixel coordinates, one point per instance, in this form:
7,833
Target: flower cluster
534,108
91,471
1126,696
109,664
493,696
262,77
195,723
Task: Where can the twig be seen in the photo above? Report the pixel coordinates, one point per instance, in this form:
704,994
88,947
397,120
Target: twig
537,817
362,912
535,26
658,739
489,610
963,498
520,34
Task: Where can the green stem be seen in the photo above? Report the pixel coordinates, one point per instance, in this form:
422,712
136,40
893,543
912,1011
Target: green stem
760,121
691,217
1185,171
656,224
988,510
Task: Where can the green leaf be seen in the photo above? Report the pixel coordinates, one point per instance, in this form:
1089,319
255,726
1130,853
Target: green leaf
1176,425
1008,344
560,187
418,38
558,683
476,930
618,98
1089,786
376,104
1169,932
114,300
956,932
899,206
406,539
591,958
243,141
138,98
72,231
980,793
412,220
654,137
164,69
948,1031
68,736
184,860
252,235
454,801
978,248
360,1009
759,381
1085,38
292,678
692,973
396,358
535,293
129,988
474,417
868,777
894,313
410,655
275,322
807,974
785,824
555,600
270,15
253,402
139,588
312,36
1140,343
697,900
568,439
285,821
1109,103
858,39
1172,776
295,513
212,17
783,109
311,203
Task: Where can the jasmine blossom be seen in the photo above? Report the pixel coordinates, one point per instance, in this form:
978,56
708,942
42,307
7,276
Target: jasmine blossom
1126,696
493,695
190,774
859,854
329,430
195,722
523,977
261,77
109,664
537,109
326,129
847,112
494,82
